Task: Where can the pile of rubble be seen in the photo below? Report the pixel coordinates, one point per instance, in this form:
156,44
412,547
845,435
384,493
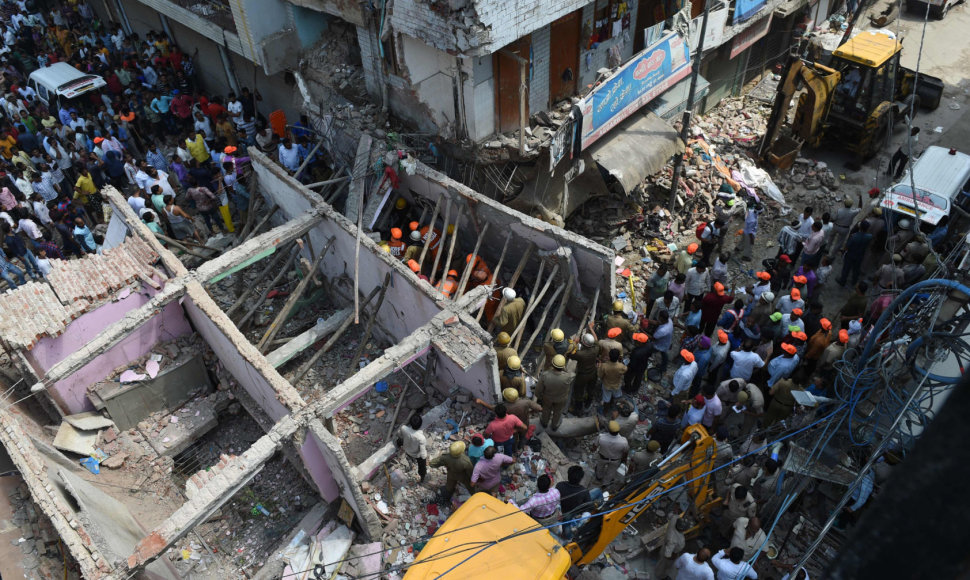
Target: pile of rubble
538,136
42,557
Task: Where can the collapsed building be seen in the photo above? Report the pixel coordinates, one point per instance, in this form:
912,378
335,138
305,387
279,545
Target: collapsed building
172,419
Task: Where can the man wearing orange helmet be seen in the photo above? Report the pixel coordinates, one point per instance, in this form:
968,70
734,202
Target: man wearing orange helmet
396,244
449,286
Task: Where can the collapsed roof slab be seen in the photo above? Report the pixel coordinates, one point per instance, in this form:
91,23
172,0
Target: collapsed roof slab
592,264
409,302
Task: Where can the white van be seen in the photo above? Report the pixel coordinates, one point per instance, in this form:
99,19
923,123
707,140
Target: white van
940,175
61,81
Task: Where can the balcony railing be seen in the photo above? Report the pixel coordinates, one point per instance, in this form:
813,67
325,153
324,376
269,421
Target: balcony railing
216,11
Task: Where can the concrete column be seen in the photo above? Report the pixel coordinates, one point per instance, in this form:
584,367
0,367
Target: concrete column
124,16
166,27
227,66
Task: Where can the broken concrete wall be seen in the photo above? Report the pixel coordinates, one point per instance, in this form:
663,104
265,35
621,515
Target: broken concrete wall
319,468
50,350
167,324
593,263
408,304
428,77
479,98
273,394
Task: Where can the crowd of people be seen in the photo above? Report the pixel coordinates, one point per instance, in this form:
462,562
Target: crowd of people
174,151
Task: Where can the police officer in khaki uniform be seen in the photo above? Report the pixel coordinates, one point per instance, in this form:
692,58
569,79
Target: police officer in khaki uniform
557,344
619,320
611,378
458,467
584,387
502,349
552,392
512,311
612,451
512,377
610,342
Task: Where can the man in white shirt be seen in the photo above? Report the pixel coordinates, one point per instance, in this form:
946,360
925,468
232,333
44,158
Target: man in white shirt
235,109
142,179
415,443
694,566
730,565
744,362
136,201
289,155
684,376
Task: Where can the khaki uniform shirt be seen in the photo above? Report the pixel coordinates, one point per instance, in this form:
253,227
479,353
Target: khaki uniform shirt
503,353
608,344
554,386
611,373
511,315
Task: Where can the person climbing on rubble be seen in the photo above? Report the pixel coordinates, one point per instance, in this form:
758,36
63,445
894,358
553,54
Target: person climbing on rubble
619,319
552,392
612,451
458,468
415,444
586,382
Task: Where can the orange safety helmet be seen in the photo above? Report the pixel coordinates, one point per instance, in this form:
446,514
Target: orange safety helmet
396,233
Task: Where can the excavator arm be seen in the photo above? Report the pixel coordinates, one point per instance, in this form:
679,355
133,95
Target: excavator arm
813,105
690,464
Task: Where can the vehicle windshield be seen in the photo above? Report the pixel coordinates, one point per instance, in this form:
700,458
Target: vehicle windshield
906,193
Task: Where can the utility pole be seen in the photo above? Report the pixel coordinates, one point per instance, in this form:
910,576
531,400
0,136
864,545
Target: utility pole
689,111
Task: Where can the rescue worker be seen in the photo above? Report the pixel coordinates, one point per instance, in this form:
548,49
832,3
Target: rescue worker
612,451
619,320
399,215
431,237
552,392
414,242
611,374
512,312
609,343
557,344
641,460
458,468
449,286
584,387
396,244
416,268
415,443
512,376
480,272
503,350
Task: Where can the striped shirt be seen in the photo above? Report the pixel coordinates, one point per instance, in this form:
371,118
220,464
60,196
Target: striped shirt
541,505
45,188
157,160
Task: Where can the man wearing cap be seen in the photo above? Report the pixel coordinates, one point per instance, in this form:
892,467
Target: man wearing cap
641,460
760,313
585,385
610,342
512,376
711,305
720,350
792,322
503,428
612,450
763,285
610,374
396,244
782,401
618,319
512,311
781,367
458,468
781,274
832,353
891,275
552,392
557,344
843,224
684,376
639,360
790,302
855,252
817,344
449,286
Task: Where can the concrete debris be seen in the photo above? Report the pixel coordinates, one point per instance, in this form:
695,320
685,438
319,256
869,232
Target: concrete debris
75,440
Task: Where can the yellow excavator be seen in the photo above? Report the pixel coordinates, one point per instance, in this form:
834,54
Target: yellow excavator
488,538
851,101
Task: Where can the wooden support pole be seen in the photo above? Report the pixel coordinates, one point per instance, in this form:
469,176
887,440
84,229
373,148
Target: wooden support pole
336,192
179,245
542,320
451,247
307,159
466,273
252,207
441,242
276,280
329,181
281,254
590,312
291,301
517,335
370,327
515,278
559,314
426,241
498,268
302,371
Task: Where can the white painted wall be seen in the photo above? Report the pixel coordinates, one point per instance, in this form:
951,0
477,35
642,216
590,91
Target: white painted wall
480,113
431,73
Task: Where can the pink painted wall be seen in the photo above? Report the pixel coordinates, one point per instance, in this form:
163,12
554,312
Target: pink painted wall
168,324
316,464
51,350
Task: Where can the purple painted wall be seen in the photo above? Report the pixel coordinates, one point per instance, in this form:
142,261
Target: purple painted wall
170,323
51,350
316,464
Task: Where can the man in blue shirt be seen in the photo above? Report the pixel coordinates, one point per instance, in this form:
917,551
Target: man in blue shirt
6,269
855,251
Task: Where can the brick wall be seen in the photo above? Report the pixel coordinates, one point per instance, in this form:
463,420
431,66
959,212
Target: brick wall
370,58
203,476
539,83
508,20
